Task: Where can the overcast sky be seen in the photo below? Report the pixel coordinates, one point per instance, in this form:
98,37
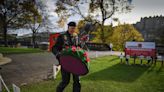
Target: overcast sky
142,8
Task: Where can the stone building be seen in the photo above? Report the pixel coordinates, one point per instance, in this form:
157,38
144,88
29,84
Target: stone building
152,29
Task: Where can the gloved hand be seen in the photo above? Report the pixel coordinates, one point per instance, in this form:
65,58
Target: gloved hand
58,57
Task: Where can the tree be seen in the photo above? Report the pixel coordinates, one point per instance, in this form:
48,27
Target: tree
11,15
33,20
108,30
44,12
95,11
123,33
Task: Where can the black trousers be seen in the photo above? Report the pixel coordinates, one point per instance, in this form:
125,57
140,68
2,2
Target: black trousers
66,79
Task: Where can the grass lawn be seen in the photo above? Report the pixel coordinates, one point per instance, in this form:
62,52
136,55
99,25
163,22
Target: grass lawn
107,75
7,50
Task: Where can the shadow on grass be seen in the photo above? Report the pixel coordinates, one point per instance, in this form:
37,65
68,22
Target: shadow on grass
118,72
160,70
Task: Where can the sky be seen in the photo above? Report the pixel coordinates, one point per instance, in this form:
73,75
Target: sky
142,8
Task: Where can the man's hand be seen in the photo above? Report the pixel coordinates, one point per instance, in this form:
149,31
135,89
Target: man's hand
58,56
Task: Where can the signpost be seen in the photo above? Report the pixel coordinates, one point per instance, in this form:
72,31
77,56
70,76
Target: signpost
140,48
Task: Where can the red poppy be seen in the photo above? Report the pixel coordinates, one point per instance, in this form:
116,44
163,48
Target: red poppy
66,47
85,54
88,59
73,48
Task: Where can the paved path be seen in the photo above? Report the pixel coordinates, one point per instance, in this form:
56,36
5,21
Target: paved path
27,68
4,60
94,54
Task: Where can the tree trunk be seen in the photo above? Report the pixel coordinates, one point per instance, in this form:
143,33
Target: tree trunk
5,35
34,40
102,34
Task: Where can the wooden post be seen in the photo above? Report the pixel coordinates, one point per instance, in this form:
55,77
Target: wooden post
162,63
134,60
155,61
141,61
152,60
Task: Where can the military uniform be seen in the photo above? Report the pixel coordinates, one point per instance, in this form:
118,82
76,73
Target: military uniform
63,40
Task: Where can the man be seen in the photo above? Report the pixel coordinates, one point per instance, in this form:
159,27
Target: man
67,39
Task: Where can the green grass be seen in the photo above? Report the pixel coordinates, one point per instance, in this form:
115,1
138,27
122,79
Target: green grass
7,50
108,75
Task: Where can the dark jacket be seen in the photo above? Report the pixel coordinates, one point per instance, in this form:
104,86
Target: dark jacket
63,40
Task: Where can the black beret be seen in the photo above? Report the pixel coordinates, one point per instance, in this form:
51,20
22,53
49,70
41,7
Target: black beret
72,24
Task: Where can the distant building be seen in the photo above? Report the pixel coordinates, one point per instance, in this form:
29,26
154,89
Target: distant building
150,28
11,39
40,37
